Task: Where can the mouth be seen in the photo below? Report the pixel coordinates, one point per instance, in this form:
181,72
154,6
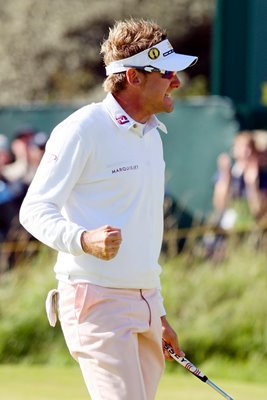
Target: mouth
168,101
168,97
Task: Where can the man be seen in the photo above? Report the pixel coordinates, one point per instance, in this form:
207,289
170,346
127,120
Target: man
97,198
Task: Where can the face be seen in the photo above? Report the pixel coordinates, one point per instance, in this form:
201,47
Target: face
242,148
157,92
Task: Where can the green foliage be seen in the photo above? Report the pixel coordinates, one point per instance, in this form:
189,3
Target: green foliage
56,53
25,334
219,311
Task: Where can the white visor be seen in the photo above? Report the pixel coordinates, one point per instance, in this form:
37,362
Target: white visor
161,57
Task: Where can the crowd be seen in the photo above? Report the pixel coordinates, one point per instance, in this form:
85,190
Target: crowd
19,158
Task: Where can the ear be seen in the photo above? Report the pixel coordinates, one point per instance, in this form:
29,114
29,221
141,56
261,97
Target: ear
133,76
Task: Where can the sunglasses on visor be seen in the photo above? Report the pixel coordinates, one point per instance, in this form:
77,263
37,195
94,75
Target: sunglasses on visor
148,68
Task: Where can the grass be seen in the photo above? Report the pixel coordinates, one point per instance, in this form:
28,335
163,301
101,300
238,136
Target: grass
65,383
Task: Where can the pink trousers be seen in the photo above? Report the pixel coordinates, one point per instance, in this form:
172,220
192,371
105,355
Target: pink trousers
115,335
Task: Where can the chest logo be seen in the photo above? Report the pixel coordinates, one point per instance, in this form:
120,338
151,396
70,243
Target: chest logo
124,169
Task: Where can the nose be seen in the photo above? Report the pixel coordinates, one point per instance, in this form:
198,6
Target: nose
175,82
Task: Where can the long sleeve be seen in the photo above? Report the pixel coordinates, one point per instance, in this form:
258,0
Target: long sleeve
42,211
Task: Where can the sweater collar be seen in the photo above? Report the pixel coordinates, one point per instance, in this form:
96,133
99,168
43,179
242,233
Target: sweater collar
123,120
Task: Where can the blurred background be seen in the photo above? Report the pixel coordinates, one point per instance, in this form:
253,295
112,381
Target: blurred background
215,240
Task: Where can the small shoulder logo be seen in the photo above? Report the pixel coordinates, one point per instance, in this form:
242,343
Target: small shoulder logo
153,53
122,119
51,157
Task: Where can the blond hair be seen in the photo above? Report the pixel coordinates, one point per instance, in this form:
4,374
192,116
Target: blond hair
125,39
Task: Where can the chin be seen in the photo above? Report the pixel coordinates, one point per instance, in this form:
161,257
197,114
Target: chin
168,109
168,105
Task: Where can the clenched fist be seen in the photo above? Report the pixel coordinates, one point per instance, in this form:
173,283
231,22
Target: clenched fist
103,243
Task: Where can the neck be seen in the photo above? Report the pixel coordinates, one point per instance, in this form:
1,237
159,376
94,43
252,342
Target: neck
132,105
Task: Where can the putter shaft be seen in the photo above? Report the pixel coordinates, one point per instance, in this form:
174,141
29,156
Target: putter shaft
195,371
219,390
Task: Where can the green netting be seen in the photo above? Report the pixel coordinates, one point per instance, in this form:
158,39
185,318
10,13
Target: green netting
42,118
199,129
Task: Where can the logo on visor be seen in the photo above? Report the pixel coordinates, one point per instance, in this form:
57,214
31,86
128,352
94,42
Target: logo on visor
153,53
167,53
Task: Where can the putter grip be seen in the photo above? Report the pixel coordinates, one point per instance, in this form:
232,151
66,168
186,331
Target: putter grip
186,364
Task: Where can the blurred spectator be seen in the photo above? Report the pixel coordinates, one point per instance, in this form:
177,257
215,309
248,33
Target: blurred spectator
260,139
240,191
7,206
27,147
36,148
25,153
19,147
5,153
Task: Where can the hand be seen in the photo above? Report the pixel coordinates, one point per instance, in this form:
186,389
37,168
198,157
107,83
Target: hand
169,336
224,163
103,243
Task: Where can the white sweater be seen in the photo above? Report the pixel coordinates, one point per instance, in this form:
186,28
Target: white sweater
100,168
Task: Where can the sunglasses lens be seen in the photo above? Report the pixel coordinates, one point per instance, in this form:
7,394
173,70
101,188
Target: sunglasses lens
168,74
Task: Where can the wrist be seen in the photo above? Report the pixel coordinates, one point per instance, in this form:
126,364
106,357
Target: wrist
84,242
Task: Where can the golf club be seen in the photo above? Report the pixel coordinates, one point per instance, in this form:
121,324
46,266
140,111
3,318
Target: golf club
195,371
